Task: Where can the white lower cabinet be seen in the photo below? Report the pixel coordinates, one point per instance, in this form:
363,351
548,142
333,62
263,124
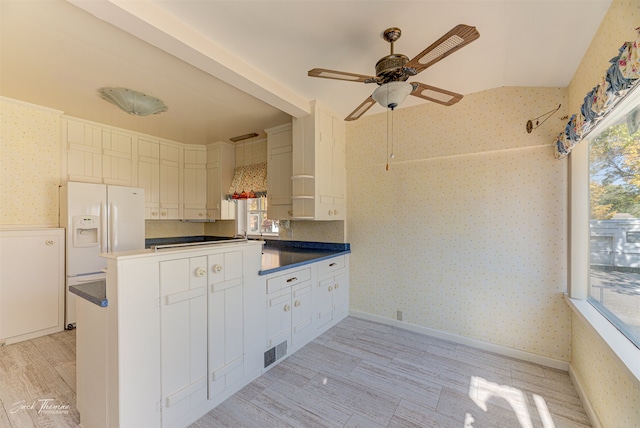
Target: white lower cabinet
186,329
289,310
183,325
302,303
331,294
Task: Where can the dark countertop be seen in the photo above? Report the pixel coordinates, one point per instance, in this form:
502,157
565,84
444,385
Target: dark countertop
276,255
95,292
281,255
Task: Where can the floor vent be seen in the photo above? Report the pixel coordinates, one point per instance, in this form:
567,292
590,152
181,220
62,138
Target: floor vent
275,353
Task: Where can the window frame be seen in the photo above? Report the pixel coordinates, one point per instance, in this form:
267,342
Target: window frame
242,221
579,245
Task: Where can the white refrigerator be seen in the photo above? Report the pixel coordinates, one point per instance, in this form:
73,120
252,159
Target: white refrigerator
98,218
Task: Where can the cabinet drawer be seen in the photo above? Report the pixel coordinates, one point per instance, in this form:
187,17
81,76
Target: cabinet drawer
287,280
330,265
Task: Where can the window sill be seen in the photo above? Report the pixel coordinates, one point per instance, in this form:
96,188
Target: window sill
622,347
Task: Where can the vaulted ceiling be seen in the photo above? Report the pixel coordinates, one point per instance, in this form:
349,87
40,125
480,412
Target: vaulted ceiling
227,68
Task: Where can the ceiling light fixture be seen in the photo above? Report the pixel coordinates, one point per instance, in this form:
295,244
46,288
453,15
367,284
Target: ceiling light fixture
392,94
133,102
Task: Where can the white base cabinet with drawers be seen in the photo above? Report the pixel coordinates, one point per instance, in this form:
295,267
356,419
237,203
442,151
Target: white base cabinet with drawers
304,302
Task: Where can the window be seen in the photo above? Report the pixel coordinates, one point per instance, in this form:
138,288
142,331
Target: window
252,218
614,223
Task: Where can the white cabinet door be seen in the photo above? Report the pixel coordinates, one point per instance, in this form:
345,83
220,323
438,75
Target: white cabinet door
31,283
226,321
225,335
331,293
171,183
149,176
84,150
279,317
183,326
195,183
117,157
301,314
279,171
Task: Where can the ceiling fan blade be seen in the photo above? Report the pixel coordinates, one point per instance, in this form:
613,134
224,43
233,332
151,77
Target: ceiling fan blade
340,75
458,37
361,109
436,95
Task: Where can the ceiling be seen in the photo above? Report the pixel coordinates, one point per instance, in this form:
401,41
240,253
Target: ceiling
227,68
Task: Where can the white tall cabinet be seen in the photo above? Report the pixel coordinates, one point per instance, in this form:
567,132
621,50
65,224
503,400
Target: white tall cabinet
279,171
319,174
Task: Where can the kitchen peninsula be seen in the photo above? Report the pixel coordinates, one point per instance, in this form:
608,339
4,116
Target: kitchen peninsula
186,327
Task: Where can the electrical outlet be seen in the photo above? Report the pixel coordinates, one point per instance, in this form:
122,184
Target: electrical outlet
399,315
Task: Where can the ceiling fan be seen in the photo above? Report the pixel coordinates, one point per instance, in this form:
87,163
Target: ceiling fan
393,70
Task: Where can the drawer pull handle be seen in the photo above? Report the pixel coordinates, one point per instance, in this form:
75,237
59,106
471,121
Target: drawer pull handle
297,303
287,308
292,279
332,264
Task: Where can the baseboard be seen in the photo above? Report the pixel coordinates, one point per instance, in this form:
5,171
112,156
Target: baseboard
586,403
485,346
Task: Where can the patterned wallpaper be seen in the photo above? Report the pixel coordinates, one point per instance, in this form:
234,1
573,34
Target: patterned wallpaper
614,397
466,232
29,164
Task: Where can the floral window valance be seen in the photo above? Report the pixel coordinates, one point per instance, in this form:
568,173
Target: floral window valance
620,77
249,181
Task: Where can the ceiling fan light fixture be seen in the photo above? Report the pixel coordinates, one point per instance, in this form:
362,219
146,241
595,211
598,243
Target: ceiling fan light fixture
392,94
133,102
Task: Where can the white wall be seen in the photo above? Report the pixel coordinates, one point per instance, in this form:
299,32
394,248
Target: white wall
466,231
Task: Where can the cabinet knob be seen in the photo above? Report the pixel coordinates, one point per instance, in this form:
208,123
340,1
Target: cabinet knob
335,286
297,303
49,242
287,308
200,215
335,212
330,212
330,289
217,268
163,214
154,213
201,272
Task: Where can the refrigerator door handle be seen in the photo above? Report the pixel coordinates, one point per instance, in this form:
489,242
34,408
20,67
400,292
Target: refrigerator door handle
103,227
113,232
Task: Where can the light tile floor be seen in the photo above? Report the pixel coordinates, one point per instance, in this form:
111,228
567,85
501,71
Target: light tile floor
364,374
358,374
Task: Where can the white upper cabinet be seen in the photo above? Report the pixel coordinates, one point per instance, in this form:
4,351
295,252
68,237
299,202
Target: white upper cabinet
149,175
160,174
171,180
279,170
98,154
319,175
221,160
195,183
